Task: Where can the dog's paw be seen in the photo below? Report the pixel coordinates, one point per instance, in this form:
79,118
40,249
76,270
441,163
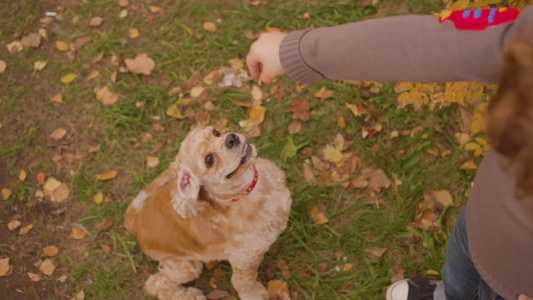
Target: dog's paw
257,292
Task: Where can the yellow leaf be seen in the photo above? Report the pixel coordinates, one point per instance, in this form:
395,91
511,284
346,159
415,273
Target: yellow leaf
133,33
462,137
278,288
47,267
6,193
210,27
57,98
460,5
39,65
402,87
318,216
332,154
68,78
154,9
341,123
152,161
257,114
432,273
108,175
339,142
189,31
472,146
257,94
469,165
347,267
78,233
99,198
323,93
174,111
61,46
26,229
444,197
51,184
22,175
93,75
353,108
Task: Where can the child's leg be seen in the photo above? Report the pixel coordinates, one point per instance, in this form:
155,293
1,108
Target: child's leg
460,277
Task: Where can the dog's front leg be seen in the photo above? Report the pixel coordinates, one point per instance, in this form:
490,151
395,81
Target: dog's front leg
244,278
167,283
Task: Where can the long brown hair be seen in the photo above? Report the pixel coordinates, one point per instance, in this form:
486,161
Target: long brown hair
509,120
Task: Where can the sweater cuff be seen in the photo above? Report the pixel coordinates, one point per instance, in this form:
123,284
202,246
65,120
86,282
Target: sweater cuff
292,61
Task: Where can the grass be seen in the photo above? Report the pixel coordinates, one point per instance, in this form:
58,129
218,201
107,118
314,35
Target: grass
315,254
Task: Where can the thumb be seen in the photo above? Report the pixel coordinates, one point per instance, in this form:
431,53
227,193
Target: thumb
524,297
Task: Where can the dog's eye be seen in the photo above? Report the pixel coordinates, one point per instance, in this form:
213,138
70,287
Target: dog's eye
216,133
209,160
229,176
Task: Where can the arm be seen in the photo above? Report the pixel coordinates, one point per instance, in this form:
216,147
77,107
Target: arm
404,48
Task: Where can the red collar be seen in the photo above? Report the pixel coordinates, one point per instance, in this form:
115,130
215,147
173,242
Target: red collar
251,186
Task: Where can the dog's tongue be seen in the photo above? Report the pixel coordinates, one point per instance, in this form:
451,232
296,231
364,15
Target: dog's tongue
244,149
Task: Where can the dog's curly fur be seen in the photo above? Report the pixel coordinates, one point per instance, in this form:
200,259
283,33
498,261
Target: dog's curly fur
509,119
199,211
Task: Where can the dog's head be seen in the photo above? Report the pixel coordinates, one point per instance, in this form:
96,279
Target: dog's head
212,159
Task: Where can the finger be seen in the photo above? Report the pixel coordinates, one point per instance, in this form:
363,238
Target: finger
254,66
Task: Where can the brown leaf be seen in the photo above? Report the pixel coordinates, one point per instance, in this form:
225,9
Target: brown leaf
105,248
426,221
96,21
217,294
295,127
283,268
318,216
210,27
108,175
152,161
31,40
374,253
78,233
359,182
300,109
14,47
50,250
104,225
309,177
4,266
58,133
324,93
57,98
34,277
61,46
142,64
13,224
379,180
6,193
249,34
3,66
26,229
81,41
278,288
257,114
106,97
123,3
154,9
60,194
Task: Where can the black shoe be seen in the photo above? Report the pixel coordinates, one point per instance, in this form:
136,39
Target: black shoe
412,289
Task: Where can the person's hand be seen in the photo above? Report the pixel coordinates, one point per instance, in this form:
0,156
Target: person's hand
263,59
524,297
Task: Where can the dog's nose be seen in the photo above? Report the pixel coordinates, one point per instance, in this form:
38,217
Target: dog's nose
232,140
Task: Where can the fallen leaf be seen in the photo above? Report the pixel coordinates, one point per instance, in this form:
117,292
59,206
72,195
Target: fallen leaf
300,109
443,197
96,21
80,295
106,97
133,33
104,225
359,182
152,161
39,65
123,13
469,165
347,267
197,91
50,250
51,185
283,268
78,233
289,149
26,229
426,221
332,154
3,66
323,93
34,277
123,3
374,253
40,177
257,94
142,64
278,288
58,133
257,114
61,46
99,198
218,294
13,224
108,175
318,216
60,194
379,180
80,42
432,273
68,78
339,142
42,33
14,47
93,75
353,108
47,267
294,127
105,248
4,266
6,193
31,40
249,34
174,111
210,27
309,177
154,9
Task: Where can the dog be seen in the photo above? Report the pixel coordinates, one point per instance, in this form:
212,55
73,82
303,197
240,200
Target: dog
216,201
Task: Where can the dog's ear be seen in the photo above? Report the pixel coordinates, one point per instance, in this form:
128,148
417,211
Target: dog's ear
185,201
